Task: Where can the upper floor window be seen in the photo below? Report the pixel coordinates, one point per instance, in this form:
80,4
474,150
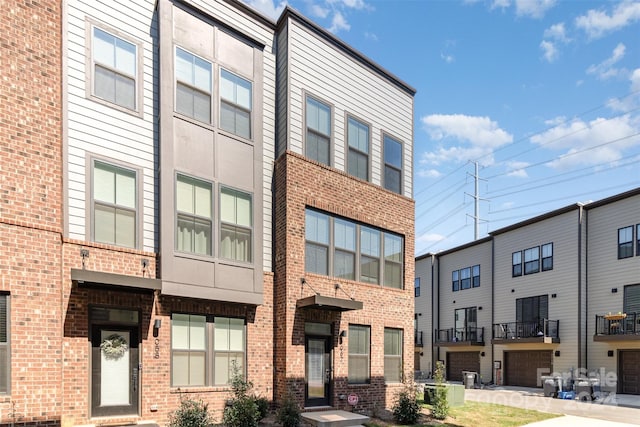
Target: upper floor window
318,138
532,260
235,104
358,157
114,205
359,354
455,280
392,355
193,86
355,252
625,242
475,271
5,352
416,287
114,69
631,303
392,164
516,264
465,278
547,257
204,349
194,219
236,225
638,240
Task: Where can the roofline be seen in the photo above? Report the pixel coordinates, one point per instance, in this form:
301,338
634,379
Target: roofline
538,218
289,12
614,198
455,249
253,13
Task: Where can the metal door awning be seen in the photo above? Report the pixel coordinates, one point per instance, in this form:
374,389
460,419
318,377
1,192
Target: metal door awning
329,303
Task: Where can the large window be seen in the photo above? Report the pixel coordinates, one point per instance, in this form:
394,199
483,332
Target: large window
359,351
194,221
318,138
465,278
392,355
235,104
466,322
532,309
516,264
235,225
5,351
193,86
392,164
316,258
625,242
114,69
532,260
205,349
416,287
355,252
114,205
547,257
358,157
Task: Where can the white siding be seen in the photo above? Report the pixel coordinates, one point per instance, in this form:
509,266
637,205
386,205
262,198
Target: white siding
355,89
96,128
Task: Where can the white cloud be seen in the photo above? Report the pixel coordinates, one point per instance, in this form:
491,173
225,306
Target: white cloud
477,136
635,80
533,8
447,58
319,11
596,23
370,36
429,238
517,169
556,32
631,101
605,69
549,51
339,22
610,138
502,4
355,4
429,173
268,7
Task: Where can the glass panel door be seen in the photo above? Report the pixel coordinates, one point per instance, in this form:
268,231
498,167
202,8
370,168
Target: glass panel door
317,371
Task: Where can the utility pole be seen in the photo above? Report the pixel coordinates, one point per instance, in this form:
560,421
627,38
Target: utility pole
477,199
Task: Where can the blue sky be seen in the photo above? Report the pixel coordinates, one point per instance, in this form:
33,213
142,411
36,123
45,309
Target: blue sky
543,94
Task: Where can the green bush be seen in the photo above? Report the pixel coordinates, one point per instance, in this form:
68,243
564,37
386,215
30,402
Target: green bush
242,410
191,413
289,413
439,403
406,409
263,405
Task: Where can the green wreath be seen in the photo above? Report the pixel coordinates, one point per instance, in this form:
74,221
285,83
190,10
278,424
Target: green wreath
114,346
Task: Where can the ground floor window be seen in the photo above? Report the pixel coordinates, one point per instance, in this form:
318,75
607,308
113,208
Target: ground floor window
392,355
359,354
205,349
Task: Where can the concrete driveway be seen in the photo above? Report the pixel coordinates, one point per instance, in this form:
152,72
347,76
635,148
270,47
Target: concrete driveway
584,414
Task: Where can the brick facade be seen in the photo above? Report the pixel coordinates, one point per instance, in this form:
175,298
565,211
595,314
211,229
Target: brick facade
299,184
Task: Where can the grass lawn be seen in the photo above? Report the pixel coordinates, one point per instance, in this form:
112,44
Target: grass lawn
478,414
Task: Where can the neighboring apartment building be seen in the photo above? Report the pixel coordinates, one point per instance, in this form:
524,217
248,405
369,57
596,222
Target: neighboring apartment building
562,295
194,188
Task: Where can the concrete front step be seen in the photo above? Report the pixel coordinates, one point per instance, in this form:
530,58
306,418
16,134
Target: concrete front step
334,419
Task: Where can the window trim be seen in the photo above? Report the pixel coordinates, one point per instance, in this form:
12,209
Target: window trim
629,242
210,351
416,287
637,239
543,258
537,260
305,129
347,146
138,109
236,106
211,220
394,356
474,283
455,280
518,264
384,162
90,202
212,114
250,229
367,355
381,259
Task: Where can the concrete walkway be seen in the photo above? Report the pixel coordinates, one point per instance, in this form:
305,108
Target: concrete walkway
607,409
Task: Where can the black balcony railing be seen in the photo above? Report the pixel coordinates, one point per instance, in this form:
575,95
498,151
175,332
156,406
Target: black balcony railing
471,334
618,324
417,338
513,330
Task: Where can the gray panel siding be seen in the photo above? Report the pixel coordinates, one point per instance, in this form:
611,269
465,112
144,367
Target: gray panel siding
283,87
355,89
95,127
424,305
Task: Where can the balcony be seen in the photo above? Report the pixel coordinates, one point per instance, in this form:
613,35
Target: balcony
618,327
545,331
459,337
417,338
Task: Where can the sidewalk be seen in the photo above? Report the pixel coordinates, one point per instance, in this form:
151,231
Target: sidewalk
570,420
607,409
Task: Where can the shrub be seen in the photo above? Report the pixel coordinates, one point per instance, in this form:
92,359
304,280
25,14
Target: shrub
439,404
289,413
191,414
406,409
242,410
263,405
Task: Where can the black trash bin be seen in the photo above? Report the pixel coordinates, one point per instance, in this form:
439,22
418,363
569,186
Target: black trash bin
550,386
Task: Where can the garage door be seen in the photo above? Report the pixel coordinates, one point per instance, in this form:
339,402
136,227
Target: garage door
629,372
522,368
462,361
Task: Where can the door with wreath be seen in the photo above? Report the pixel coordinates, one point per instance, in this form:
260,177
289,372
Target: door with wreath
114,371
